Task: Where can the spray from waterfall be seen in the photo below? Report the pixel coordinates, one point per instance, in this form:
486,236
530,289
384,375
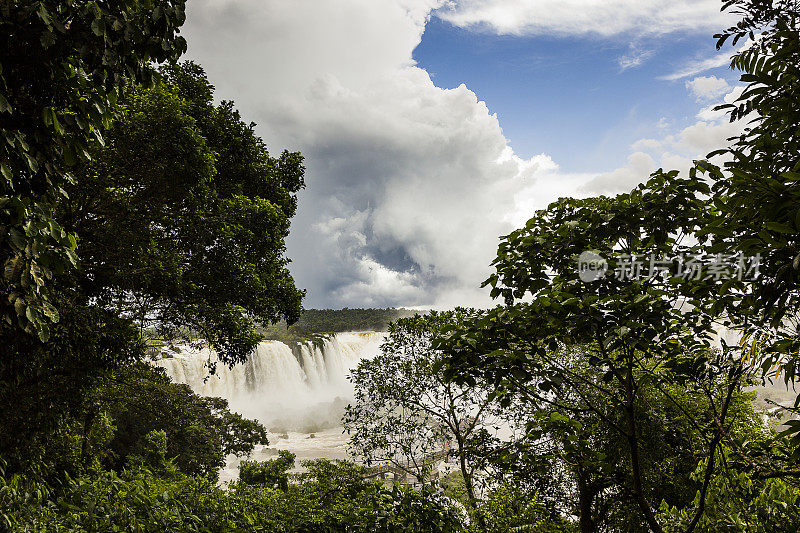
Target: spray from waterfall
302,387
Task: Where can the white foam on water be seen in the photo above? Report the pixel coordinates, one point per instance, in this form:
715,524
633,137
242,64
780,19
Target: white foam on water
302,388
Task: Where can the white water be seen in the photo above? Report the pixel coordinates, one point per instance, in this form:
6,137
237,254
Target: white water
302,390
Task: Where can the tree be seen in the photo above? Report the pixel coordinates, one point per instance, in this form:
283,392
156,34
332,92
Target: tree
181,227
271,473
407,415
62,70
509,509
199,432
756,192
575,436
738,502
43,386
327,496
646,321
182,218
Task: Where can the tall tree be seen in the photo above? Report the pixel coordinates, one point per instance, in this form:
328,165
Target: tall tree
182,217
643,316
62,70
407,415
757,192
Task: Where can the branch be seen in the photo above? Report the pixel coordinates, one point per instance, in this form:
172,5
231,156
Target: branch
711,458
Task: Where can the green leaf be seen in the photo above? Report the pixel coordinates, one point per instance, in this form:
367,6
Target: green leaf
44,15
4,105
779,227
6,171
69,155
17,239
32,163
96,27
56,124
43,332
10,270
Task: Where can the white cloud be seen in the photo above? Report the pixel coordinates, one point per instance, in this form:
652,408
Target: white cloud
639,166
409,185
599,17
710,114
646,144
634,58
698,66
675,151
708,87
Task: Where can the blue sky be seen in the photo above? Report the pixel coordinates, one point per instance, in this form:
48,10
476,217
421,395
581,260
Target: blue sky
432,127
568,96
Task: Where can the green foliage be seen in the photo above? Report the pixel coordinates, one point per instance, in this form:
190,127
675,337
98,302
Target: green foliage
107,502
632,329
212,210
454,487
199,432
317,506
336,320
44,385
239,435
507,509
271,473
333,479
756,192
579,442
181,217
315,321
739,503
406,414
143,500
151,453
61,73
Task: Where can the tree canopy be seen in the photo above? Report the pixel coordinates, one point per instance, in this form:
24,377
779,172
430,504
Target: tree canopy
64,67
182,217
407,415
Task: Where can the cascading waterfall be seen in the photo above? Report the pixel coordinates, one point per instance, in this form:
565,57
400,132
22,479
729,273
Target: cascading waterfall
302,387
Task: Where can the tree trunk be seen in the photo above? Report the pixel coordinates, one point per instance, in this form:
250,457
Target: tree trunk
633,442
88,425
469,485
585,499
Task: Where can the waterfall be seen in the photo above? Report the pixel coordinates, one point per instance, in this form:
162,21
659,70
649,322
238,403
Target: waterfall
302,387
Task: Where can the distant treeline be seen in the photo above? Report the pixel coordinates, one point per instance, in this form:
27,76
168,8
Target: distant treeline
336,320
314,321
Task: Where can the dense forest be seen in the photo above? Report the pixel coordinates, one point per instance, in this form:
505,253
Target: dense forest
315,321
134,204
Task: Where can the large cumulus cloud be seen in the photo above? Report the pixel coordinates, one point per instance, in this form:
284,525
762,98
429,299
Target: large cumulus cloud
409,185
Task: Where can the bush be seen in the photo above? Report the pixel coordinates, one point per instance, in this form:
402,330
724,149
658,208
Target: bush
272,473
